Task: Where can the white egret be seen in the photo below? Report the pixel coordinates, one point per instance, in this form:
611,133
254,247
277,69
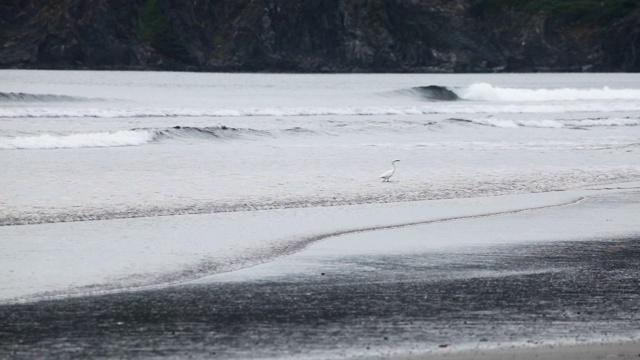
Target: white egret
387,175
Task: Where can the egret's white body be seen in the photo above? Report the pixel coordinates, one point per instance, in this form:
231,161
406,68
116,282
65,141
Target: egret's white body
387,175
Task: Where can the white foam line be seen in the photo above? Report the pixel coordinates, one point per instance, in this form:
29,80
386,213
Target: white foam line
457,107
484,91
87,140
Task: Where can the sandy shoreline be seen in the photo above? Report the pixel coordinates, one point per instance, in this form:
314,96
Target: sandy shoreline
552,275
627,349
265,235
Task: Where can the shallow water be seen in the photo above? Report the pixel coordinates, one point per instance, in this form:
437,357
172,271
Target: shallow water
335,300
78,146
116,181
143,144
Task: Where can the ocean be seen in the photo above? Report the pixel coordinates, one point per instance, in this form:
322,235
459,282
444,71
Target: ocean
124,183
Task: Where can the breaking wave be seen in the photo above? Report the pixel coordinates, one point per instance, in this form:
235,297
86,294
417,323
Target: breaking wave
102,139
432,92
25,97
549,123
453,107
187,112
476,98
189,132
133,137
143,136
488,92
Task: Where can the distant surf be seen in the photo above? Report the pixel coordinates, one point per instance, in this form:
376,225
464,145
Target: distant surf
488,92
431,99
133,137
548,123
25,97
143,136
433,93
102,139
457,107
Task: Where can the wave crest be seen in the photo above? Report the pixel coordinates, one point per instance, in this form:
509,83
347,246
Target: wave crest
432,107
548,123
488,92
133,137
25,97
86,140
432,93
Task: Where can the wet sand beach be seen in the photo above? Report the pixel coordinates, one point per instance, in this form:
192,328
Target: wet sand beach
625,350
380,294
592,292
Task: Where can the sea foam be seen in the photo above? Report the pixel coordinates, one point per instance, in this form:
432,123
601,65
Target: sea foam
550,123
457,107
488,92
102,139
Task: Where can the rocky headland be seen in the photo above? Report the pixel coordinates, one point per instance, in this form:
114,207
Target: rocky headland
322,35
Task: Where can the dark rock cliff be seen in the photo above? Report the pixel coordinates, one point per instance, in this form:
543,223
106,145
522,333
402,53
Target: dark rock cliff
322,36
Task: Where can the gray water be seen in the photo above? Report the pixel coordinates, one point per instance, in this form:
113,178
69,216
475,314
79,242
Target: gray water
106,145
114,182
